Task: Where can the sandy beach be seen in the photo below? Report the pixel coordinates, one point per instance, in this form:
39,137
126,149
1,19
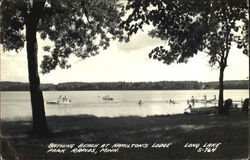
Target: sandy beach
192,136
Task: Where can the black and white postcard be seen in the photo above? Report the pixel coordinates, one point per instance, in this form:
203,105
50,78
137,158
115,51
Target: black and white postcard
124,79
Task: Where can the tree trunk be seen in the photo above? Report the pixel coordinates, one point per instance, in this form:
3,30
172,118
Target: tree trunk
221,89
37,101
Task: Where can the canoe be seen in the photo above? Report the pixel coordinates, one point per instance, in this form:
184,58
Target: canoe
56,102
107,98
204,110
206,101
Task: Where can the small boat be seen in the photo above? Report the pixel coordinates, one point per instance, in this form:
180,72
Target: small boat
59,102
206,101
200,101
107,98
212,101
203,110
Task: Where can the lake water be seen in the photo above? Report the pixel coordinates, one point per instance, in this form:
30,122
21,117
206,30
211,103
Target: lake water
16,105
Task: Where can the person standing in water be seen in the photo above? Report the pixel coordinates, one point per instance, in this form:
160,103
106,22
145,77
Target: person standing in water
215,97
59,99
140,102
65,99
205,97
192,100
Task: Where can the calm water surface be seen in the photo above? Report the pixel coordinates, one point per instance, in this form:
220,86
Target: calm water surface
16,105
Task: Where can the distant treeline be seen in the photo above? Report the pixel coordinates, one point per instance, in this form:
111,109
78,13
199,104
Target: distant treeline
162,85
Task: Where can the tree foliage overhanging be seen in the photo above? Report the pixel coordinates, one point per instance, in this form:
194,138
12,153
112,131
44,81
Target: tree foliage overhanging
78,27
189,26
82,27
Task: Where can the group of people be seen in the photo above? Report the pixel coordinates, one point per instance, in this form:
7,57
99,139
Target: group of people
193,100
107,97
228,104
171,101
62,99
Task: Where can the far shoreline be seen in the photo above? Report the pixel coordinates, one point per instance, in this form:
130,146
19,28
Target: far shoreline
122,85
127,90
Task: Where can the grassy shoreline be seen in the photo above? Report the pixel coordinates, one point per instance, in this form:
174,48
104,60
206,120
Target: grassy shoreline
231,132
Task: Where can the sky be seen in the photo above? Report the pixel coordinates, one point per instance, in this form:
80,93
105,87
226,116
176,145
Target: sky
127,62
